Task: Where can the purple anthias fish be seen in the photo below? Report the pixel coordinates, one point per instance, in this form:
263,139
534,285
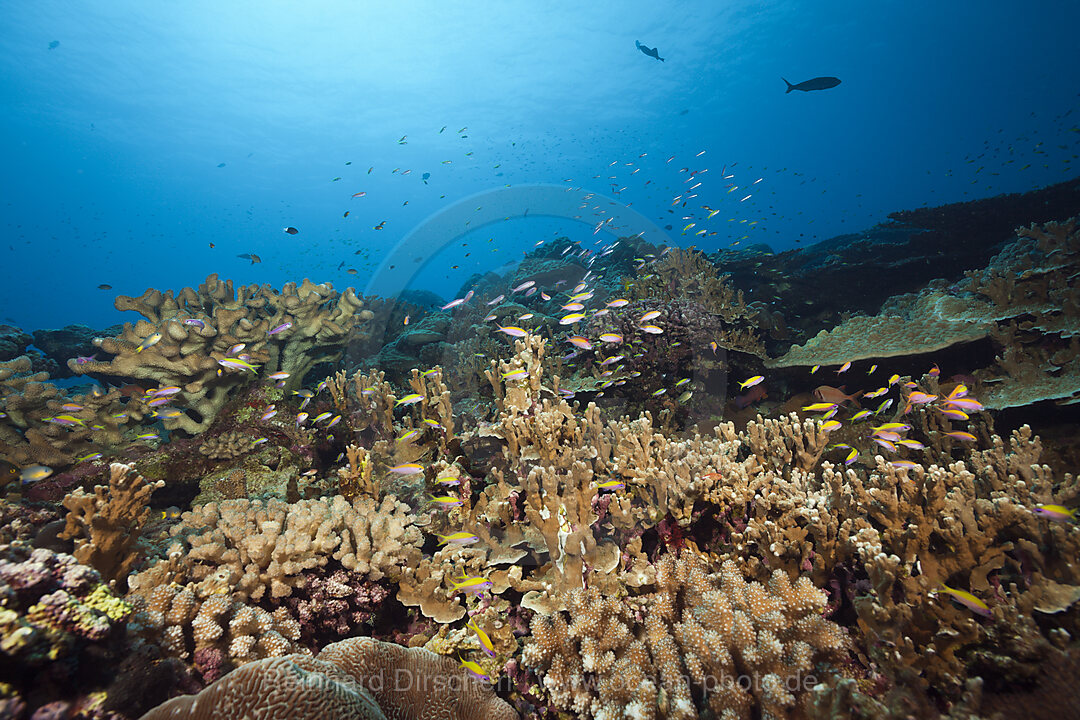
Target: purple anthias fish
280,328
83,359
196,322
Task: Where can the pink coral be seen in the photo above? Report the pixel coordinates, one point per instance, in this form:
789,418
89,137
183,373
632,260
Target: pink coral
333,605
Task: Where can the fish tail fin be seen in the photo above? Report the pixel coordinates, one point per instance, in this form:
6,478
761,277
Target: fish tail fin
790,87
660,59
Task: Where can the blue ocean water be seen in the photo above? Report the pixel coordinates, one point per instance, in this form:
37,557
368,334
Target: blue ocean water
138,134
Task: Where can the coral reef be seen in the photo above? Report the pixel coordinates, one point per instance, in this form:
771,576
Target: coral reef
589,530
1026,300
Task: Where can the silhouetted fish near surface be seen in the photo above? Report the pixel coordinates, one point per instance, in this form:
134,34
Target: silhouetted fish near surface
818,83
651,52
54,44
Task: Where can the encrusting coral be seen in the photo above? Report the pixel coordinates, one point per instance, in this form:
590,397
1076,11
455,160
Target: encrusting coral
52,607
355,679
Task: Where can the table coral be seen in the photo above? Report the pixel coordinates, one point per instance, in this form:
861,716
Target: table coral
353,679
1026,300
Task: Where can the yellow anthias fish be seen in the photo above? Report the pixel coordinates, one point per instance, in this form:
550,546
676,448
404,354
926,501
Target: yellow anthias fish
482,637
458,538
475,670
475,585
447,500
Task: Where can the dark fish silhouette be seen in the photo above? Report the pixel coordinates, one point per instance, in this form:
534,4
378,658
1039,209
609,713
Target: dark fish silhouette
651,52
818,83
54,44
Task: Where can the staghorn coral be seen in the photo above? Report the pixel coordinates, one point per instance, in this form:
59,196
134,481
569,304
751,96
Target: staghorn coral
105,526
196,329
264,548
686,648
357,678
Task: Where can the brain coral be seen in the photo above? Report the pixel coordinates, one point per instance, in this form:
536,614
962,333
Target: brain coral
355,679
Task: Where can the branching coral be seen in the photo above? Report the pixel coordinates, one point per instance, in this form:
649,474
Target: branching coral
911,531
214,630
701,642
264,547
106,525
355,478
186,335
687,274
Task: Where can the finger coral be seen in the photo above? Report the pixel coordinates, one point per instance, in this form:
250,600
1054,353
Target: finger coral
265,547
216,631
701,642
